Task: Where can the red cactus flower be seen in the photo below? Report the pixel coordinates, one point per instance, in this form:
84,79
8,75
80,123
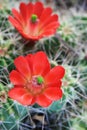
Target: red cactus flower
33,21
34,81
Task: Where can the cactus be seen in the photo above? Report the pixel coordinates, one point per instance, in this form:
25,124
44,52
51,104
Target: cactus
67,48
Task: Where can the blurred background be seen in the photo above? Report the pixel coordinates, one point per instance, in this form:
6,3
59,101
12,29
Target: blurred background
65,4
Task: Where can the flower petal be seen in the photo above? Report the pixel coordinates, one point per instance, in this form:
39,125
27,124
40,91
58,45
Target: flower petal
16,92
23,11
53,93
38,8
43,101
51,26
30,58
18,16
49,20
40,64
45,14
15,23
30,8
58,84
16,78
33,101
48,32
23,67
55,74
20,95
26,99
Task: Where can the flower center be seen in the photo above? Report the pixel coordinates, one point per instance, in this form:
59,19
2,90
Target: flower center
33,18
36,85
40,80
37,81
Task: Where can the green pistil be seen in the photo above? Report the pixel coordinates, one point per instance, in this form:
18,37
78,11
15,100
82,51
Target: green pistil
40,80
33,18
